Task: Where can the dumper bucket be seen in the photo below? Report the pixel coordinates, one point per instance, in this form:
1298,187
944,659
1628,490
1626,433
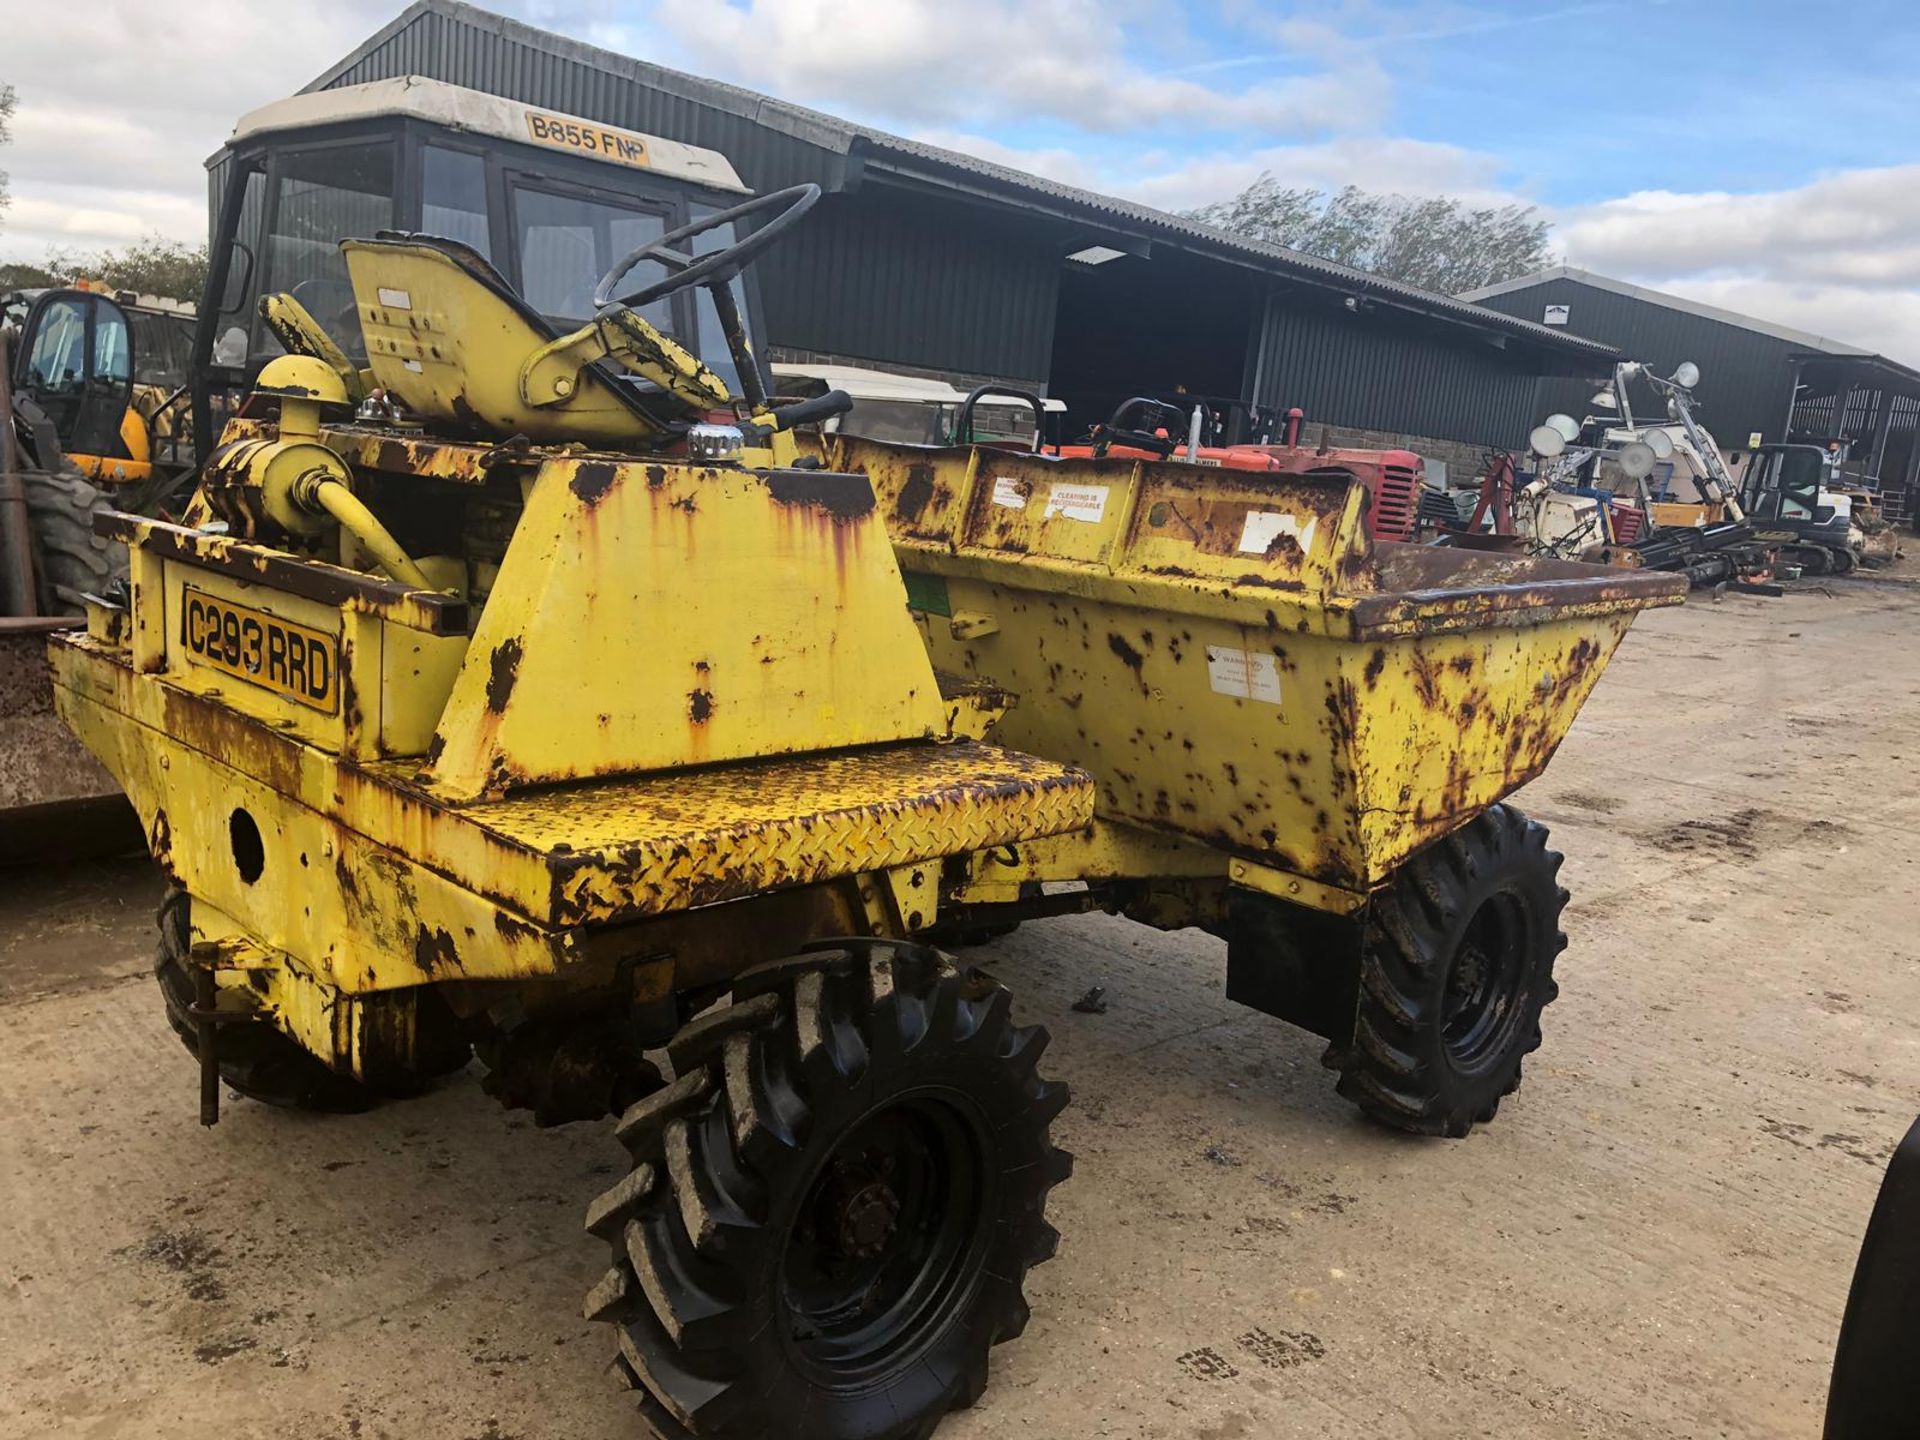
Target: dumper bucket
1233,657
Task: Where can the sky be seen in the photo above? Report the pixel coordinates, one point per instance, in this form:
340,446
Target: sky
1753,154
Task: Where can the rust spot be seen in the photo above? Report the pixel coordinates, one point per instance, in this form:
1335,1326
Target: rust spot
511,928
1461,664
1375,664
502,672
1129,656
916,492
160,841
433,951
845,497
592,479
1426,679
656,476
700,706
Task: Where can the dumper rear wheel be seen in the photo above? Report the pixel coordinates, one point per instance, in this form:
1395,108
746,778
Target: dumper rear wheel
256,1060
833,1207
1456,966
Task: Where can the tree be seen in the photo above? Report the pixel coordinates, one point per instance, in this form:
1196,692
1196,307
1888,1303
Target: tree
153,266
1438,243
6,114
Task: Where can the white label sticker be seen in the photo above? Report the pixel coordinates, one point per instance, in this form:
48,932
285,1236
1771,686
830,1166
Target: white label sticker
1009,492
395,299
1077,502
415,366
1249,674
1264,526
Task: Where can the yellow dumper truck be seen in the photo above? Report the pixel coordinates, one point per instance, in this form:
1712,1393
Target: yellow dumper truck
531,685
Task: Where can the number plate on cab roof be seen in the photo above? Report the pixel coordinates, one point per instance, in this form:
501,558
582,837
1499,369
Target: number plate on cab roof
272,653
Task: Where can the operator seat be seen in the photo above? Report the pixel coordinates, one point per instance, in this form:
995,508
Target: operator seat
448,337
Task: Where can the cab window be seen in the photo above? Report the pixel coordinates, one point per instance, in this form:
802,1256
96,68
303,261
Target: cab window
320,198
57,364
567,241
453,197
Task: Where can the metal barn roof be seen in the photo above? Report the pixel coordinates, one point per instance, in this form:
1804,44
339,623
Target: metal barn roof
1806,344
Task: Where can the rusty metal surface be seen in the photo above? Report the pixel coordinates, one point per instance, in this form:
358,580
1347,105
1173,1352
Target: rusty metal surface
364,862
1235,660
689,838
310,579
655,614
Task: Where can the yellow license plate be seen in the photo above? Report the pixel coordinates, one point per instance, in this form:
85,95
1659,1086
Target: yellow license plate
276,654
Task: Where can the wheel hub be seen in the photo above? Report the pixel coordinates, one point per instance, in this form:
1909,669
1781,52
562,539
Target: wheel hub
1485,982
866,1220
881,1243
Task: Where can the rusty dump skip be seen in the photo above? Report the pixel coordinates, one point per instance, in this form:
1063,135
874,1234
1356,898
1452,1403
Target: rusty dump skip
1231,655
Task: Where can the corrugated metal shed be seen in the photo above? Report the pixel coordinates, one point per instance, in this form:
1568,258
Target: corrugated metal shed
1749,366
923,257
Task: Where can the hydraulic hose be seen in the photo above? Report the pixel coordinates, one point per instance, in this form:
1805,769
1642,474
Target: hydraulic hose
323,492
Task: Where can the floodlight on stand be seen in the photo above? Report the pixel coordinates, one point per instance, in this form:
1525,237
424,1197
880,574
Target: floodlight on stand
1660,442
1636,459
1603,399
1568,427
1686,375
1546,442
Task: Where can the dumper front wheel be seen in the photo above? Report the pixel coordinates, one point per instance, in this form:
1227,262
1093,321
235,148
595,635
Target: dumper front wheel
1456,966
832,1209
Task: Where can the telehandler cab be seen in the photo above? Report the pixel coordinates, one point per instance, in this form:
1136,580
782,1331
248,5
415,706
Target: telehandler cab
546,691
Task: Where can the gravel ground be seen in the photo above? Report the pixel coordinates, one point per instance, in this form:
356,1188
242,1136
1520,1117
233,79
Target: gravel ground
1654,1238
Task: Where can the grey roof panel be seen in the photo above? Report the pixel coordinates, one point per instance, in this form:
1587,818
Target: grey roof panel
1627,288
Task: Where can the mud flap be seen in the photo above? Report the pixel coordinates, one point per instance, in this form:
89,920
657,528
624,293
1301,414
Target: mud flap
1876,1387
1300,965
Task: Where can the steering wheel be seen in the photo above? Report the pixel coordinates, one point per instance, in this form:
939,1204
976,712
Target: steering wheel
685,269
1114,433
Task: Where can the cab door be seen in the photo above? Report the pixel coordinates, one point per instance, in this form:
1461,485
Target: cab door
75,362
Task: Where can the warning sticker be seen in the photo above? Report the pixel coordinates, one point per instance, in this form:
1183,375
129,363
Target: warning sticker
1249,674
1077,502
1009,492
1264,526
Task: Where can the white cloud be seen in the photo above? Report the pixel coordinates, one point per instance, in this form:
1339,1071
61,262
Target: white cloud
934,63
1172,181
1839,256
120,105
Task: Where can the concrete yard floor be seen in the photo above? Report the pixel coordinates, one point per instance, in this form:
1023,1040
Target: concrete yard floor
1654,1238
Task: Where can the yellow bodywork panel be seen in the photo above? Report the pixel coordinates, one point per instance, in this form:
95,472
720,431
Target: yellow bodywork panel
447,338
451,348
1234,659
375,883
651,615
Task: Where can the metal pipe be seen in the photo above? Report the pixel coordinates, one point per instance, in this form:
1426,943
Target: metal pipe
17,595
206,1031
329,495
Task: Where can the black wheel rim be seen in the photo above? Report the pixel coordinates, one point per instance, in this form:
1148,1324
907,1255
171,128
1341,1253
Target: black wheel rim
887,1241
1486,983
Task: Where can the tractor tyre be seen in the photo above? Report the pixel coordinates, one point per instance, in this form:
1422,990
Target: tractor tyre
256,1060
832,1208
1456,965
70,559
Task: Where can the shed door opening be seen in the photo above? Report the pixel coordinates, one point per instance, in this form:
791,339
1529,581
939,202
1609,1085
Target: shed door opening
1159,327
